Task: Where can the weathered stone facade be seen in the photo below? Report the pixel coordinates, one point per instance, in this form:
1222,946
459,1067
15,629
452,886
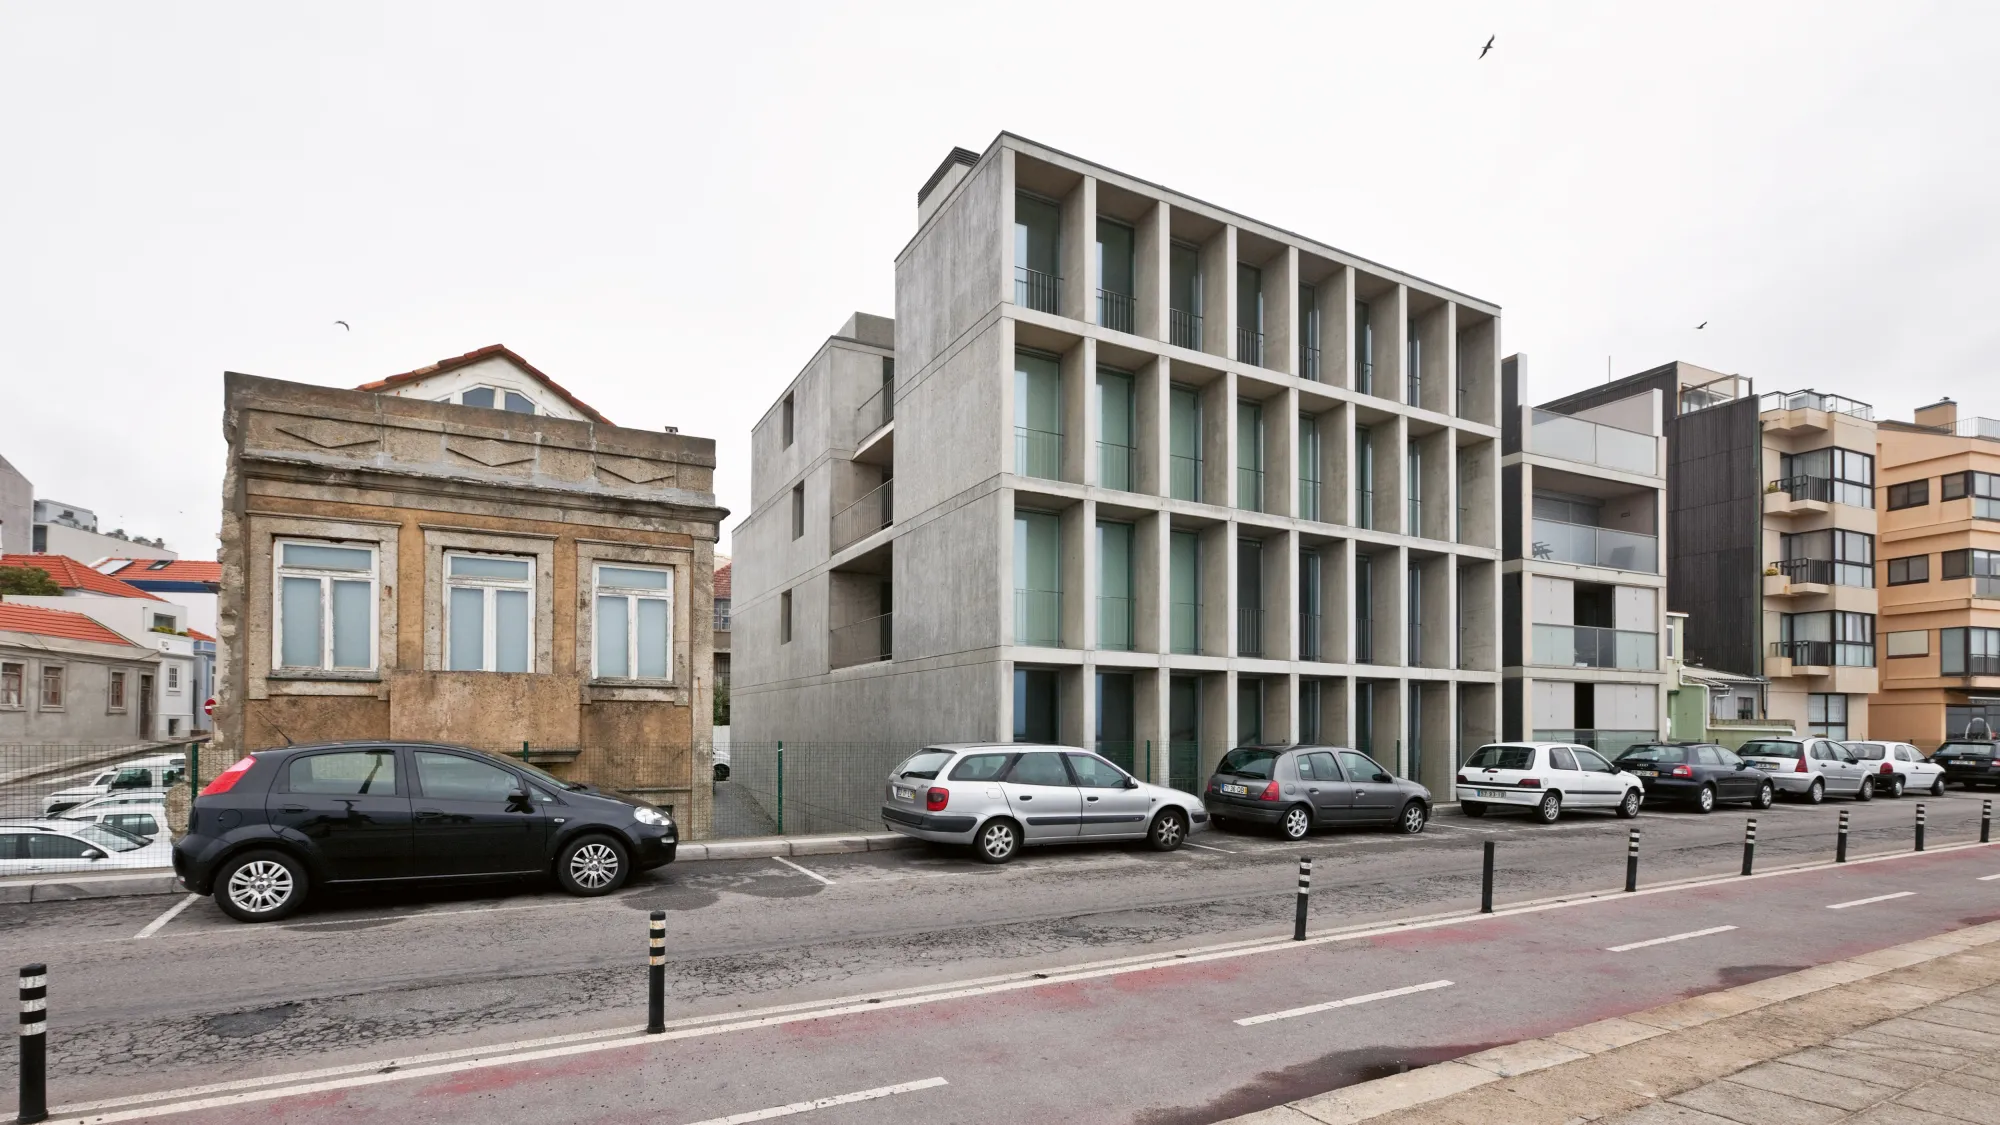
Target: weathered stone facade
407,482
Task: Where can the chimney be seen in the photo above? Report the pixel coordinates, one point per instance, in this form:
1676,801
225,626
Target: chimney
935,189
1942,414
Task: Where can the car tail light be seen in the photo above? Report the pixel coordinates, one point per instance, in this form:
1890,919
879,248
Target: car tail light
937,798
1801,767
1683,771
1531,783
1886,769
1270,792
227,779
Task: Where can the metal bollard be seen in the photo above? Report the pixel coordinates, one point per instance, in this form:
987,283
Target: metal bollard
34,1043
1486,881
1920,826
1840,844
1986,822
1632,862
1750,845
1305,888
656,984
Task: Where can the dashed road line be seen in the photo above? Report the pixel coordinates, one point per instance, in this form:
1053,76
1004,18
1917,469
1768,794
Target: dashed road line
1208,848
807,871
823,1103
168,915
1310,1009
1631,945
1988,878
1866,901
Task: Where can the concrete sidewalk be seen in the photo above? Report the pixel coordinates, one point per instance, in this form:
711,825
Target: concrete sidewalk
1908,1035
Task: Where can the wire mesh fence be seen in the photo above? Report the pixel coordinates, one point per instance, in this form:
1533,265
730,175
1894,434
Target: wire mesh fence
88,807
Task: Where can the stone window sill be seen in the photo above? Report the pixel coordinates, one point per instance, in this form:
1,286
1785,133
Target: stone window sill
299,674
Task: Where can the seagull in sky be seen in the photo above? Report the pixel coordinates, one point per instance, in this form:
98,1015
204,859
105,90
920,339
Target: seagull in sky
1488,47
343,324
1702,325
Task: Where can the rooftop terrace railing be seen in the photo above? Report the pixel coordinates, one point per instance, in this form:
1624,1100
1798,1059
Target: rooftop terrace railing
1815,400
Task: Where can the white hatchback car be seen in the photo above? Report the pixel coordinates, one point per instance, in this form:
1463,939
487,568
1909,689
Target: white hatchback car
1544,777
140,773
39,847
145,821
1899,766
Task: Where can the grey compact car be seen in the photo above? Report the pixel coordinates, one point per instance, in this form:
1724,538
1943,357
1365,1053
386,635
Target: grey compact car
1001,797
1811,769
1293,788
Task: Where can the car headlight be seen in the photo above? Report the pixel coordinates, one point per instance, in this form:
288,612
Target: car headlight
649,815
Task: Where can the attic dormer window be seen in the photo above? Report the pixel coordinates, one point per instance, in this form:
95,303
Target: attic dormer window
493,398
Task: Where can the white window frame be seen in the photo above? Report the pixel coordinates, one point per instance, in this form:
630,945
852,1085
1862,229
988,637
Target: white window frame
280,572
457,398
42,687
20,685
174,678
489,634
632,597
115,685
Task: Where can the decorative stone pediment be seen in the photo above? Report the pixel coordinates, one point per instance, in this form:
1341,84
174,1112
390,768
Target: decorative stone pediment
492,454
632,470
329,434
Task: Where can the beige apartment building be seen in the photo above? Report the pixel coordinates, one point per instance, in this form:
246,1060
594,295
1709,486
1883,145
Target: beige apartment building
1941,577
1133,471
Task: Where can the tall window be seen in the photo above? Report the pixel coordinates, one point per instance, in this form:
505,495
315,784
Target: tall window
1364,609
1037,226
1364,350
1834,475
1309,607
12,686
1309,709
1842,558
1250,456
1249,597
117,690
1413,393
1115,306
1308,333
1184,440
785,618
326,606
635,622
1184,296
52,687
1037,416
1184,591
1969,652
1414,482
488,613
1249,314
798,509
1037,579
1982,488
1364,477
1309,453
788,417
1114,586
173,677
1116,424
1826,716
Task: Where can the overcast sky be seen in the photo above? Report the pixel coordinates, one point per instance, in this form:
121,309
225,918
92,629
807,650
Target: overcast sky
668,208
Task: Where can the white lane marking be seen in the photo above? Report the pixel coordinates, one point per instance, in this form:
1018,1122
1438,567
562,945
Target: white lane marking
1988,878
822,1103
804,870
1207,848
1631,945
1350,1002
1866,901
171,912
1435,823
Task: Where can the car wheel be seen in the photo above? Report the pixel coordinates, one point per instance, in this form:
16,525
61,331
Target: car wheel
592,865
1867,790
1766,796
1550,809
1169,830
260,886
1298,821
1704,801
1413,818
721,772
1816,793
1896,785
999,841
1937,786
1628,807
1472,808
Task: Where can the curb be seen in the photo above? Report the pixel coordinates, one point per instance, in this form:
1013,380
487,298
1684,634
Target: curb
70,888
767,847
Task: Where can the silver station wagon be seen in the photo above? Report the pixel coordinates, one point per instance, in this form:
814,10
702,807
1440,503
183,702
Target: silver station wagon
1000,797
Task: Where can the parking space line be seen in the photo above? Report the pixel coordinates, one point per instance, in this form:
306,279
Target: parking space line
1631,945
823,1103
1988,878
1866,901
1310,1009
1207,848
168,915
808,872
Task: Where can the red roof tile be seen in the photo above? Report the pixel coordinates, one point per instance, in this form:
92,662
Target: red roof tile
173,570
720,586
474,356
73,575
198,635
57,623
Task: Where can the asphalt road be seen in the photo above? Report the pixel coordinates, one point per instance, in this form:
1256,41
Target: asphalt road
362,980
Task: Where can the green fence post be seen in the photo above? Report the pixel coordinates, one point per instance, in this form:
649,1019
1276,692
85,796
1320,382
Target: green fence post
524,749
1149,760
194,771
781,788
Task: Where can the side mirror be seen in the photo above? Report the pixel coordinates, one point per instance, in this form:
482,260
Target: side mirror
92,853
1131,783
1383,779
518,797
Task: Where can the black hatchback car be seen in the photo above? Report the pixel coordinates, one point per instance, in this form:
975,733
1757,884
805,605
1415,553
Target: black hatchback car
281,823
1698,774
1971,762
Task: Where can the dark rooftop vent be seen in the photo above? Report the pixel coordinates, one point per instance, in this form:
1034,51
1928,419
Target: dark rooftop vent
963,156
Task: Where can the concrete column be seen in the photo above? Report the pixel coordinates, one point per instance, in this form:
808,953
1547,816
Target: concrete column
1152,240
1281,311
1002,420
1440,733
1077,255
1218,590
1281,459
1336,597
1434,364
1149,724
1218,718
1336,721
1150,631
1008,186
1336,443
1439,603
1337,328
1076,705
1438,513
1078,370
1281,596
1449,351
1281,708
1389,476
1004,535
1151,415
1078,524
1391,574
1390,314
1389,726
1218,293
1003,697
1218,441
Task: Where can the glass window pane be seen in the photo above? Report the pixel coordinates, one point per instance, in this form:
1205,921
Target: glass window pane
510,631
653,633
353,620
1114,256
298,631
519,403
478,396
612,633
348,774
1037,393
1035,234
483,566
448,777
465,648
1114,556
328,558
632,578
1115,407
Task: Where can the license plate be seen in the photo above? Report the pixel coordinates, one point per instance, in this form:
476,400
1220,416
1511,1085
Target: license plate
1646,773
1490,792
905,794
1237,790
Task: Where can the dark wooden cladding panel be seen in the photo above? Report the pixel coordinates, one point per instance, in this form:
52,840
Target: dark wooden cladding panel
1714,534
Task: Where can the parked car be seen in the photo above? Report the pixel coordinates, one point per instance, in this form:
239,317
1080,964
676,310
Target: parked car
1971,762
1295,789
144,821
1902,766
1544,777
140,773
1001,797
281,824
116,800
1810,768
1699,774
40,847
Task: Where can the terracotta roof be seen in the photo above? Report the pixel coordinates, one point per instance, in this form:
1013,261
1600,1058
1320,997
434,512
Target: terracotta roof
203,571
720,586
57,623
73,575
198,635
472,357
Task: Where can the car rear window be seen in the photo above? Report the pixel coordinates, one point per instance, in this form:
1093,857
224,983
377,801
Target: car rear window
1249,761
1764,748
1666,754
979,767
1502,758
1873,751
924,764
1967,749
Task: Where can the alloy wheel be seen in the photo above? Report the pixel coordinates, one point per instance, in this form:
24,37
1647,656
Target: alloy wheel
1413,818
593,866
997,840
1167,834
1297,823
260,886
1706,800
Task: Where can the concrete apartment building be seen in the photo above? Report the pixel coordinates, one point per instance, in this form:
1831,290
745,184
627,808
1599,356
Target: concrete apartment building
1583,498
1940,615
1770,537
1129,470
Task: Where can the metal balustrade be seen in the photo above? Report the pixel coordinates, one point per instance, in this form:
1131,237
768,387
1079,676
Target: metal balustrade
874,511
1117,311
1184,328
1038,453
861,642
1038,618
1039,291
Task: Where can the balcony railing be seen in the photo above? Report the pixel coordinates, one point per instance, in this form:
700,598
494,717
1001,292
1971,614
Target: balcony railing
1184,328
1250,489
1827,572
1038,618
1186,477
1364,376
1250,346
877,410
1116,311
1588,646
1308,499
1184,627
1985,586
1583,545
862,642
1039,291
1413,391
1364,640
866,516
1114,623
1114,465
1985,509
1826,654
1416,525
1249,631
1593,443
1364,508
1309,362
1038,453
1308,636
1609,743
1814,400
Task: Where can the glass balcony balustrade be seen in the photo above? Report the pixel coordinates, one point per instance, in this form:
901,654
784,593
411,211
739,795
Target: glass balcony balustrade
1593,443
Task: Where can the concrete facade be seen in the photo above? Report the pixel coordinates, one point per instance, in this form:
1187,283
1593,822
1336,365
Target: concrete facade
1201,408
17,511
401,485
57,690
175,680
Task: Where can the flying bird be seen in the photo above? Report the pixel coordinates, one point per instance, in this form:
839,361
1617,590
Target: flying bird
1702,325
1488,47
343,324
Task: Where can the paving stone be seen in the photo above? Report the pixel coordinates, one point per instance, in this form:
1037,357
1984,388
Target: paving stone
1954,1101
1946,1034
1752,1106
1893,1114
1976,1002
1959,1017
1966,1078
1666,1113
1605,1035
1816,1085
1870,1042
1523,1057
1868,1068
